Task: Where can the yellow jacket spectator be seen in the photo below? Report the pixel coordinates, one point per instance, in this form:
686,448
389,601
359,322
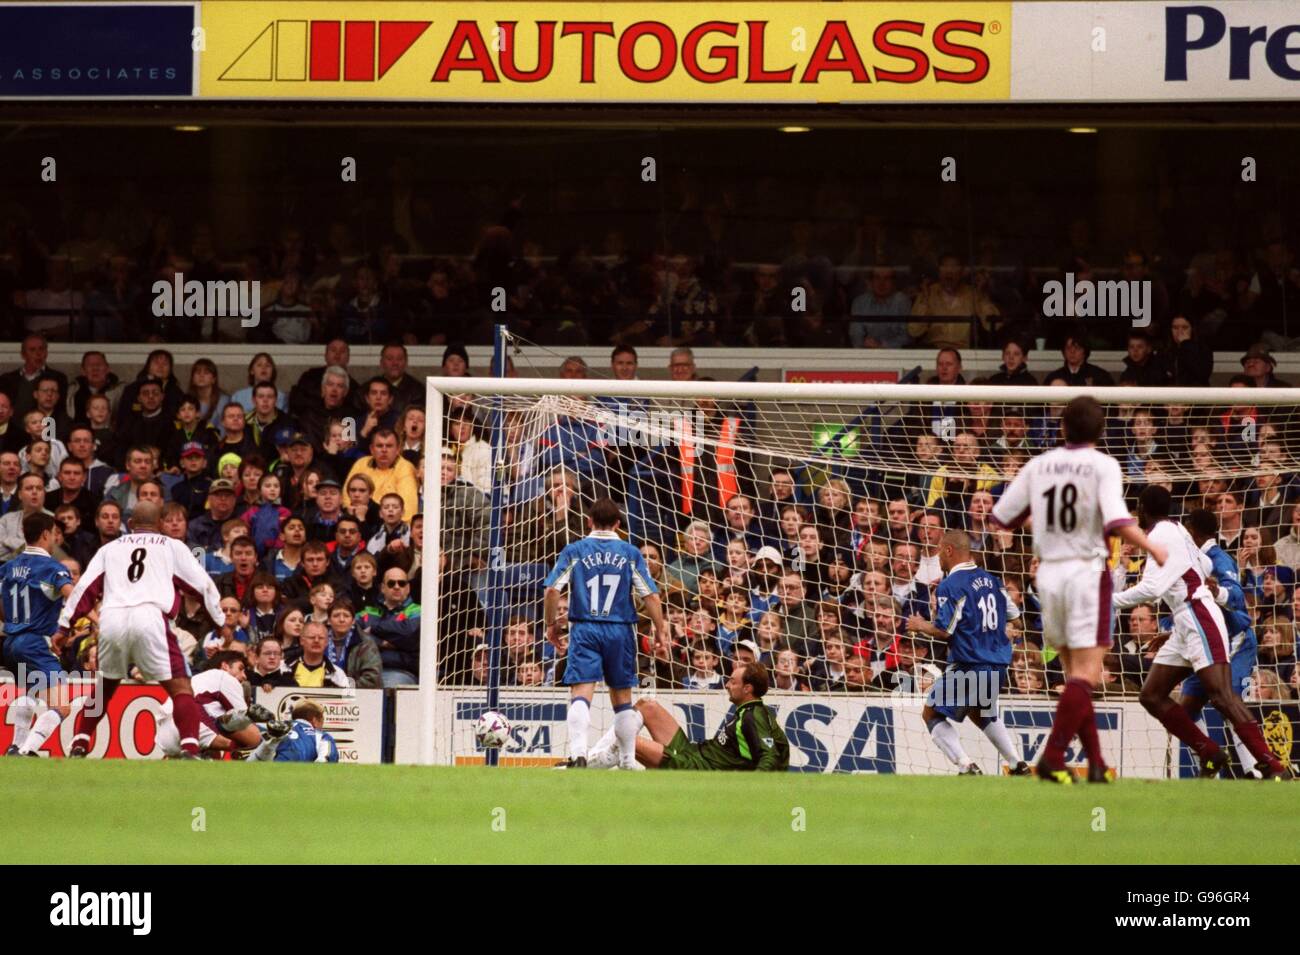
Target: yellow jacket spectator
390,472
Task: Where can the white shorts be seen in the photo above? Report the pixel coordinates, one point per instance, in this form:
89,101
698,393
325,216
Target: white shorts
138,636
1075,596
1199,638
168,737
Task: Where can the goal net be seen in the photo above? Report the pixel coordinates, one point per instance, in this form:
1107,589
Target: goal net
799,523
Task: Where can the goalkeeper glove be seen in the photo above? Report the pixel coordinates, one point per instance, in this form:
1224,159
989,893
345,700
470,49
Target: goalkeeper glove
277,729
259,713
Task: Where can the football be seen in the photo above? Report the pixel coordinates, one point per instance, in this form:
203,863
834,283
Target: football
492,730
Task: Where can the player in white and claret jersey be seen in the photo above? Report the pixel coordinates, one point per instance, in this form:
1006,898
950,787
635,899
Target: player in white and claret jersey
137,581
1198,642
1075,498
225,720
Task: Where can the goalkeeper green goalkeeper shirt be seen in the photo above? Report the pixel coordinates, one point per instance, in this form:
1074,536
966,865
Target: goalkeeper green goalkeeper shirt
749,739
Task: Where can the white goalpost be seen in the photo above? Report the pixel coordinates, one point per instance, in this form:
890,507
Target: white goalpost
799,521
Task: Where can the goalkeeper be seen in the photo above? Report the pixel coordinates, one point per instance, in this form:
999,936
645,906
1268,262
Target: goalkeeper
749,739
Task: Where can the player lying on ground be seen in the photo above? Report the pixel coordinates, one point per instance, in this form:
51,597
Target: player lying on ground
32,589
135,578
224,721
302,741
749,738
601,571
1198,642
1225,584
1076,499
971,614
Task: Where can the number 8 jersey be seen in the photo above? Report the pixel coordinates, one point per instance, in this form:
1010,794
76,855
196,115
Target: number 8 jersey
1076,498
137,570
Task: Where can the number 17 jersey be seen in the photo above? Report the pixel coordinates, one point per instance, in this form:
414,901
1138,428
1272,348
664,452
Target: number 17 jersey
602,572
1075,496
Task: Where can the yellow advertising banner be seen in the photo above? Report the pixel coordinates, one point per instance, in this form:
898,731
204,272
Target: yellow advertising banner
606,52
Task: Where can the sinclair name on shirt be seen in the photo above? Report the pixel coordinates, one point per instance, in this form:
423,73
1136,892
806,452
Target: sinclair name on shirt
604,558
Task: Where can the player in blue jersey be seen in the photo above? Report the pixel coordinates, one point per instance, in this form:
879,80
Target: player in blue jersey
302,741
32,588
971,614
602,572
1226,586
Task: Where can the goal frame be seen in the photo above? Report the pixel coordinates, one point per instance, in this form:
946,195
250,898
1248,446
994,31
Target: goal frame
439,387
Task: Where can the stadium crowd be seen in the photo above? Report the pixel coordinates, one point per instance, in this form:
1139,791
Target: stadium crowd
306,505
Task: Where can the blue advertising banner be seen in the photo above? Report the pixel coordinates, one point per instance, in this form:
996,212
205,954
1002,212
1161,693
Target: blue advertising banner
89,51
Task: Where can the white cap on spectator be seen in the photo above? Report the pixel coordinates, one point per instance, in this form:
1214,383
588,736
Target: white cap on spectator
751,646
769,553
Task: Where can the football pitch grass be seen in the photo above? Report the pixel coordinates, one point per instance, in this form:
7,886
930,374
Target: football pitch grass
179,812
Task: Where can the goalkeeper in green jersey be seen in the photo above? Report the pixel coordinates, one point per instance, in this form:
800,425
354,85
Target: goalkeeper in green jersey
750,738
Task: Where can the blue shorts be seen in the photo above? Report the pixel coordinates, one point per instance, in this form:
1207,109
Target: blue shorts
967,689
32,655
1242,666
602,651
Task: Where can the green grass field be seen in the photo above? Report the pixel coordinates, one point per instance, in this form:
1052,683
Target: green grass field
124,812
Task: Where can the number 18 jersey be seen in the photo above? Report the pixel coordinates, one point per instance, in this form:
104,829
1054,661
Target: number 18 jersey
1076,499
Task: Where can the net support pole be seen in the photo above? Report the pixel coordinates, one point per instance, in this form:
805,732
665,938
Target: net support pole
430,619
496,606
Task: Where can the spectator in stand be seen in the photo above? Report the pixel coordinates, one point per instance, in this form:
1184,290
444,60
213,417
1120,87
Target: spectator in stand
365,318
379,409
31,496
314,570
261,370
265,422
1077,370
12,436
348,543
1230,514
239,580
124,489
189,428
268,671
464,520
96,378
694,555
49,404
71,489
308,663
1287,547
1014,370
307,392
19,385
284,563
473,454
389,472
881,300
205,388
236,437
410,433
151,425
1258,364
364,587
393,362
1142,366
798,619
949,297
394,625
205,530
158,367
361,503
81,446
826,673
1189,362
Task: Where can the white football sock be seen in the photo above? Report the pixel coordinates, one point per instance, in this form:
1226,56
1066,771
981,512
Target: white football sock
266,750
24,709
578,720
1245,758
605,750
996,730
626,725
945,737
45,724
